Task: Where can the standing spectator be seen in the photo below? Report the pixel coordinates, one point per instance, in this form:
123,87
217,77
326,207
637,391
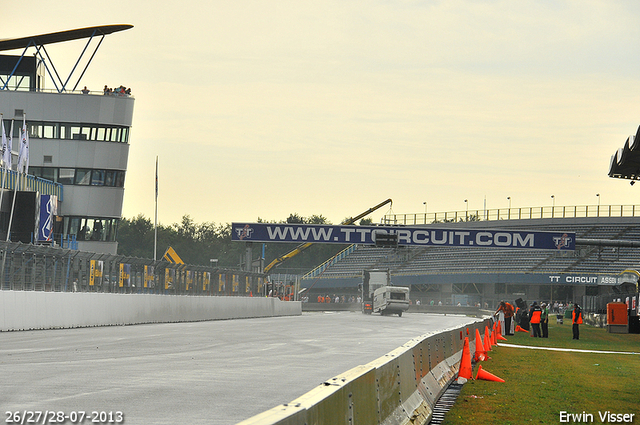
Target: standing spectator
85,90
544,320
535,317
577,321
507,310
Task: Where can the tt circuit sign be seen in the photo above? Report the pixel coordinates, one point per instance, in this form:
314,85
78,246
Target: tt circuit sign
406,236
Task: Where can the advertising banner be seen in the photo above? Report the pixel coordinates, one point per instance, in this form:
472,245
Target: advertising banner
235,283
149,276
125,275
169,276
95,272
414,236
206,280
48,211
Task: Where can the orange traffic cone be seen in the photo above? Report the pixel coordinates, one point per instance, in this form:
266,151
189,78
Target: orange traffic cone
465,361
520,329
480,354
494,335
484,375
487,342
499,337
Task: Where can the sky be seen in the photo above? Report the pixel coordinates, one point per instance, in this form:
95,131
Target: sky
262,109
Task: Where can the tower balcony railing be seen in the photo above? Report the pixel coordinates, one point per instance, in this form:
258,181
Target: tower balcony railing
529,213
77,91
29,183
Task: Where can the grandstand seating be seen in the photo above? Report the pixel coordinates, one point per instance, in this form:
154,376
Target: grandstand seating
452,260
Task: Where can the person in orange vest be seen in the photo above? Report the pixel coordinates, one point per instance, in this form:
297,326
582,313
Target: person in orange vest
320,299
535,316
577,321
507,310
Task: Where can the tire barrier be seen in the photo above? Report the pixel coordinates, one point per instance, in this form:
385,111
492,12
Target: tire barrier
401,387
24,310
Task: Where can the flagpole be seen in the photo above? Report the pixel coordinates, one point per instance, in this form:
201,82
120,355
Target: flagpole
15,187
24,144
155,226
4,163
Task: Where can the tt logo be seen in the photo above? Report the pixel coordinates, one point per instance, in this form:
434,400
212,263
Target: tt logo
244,232
562,241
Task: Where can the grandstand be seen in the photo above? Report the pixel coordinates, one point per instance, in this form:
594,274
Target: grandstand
604,262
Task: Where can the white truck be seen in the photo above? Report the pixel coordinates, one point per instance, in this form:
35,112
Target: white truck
380,296
391,300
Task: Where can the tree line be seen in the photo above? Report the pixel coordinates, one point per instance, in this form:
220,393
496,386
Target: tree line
198,243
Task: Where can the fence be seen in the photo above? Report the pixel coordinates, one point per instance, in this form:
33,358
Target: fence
27,267
598,303
529,213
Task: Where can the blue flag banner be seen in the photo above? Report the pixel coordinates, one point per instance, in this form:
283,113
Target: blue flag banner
48,210
407,236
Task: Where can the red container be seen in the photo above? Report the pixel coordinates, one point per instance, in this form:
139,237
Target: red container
617,314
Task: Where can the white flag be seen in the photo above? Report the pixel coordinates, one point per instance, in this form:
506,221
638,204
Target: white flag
23,154
4,148
7,154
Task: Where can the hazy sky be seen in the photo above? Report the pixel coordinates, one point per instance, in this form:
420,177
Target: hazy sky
267,108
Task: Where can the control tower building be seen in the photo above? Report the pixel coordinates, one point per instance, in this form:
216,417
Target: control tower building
78,145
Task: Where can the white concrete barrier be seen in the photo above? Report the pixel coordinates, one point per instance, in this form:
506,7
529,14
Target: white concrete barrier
399,388
24,310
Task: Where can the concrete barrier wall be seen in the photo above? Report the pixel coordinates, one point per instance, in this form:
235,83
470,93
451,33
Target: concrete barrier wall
434,309
400,387
23,310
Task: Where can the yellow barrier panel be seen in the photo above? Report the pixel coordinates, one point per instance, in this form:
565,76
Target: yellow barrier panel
172,256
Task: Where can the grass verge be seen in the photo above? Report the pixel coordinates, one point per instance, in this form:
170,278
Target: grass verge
540,383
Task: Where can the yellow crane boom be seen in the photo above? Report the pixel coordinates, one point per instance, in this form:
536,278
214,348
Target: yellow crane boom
297,250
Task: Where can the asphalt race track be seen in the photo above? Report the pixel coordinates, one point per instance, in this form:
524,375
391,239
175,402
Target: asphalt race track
216,372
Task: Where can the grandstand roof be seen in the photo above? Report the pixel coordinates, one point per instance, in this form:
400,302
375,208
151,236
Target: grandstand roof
625,163
60,36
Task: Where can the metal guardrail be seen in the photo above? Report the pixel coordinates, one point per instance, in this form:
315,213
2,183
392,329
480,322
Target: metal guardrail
76,92
28,267
529,213
322,267
30,183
